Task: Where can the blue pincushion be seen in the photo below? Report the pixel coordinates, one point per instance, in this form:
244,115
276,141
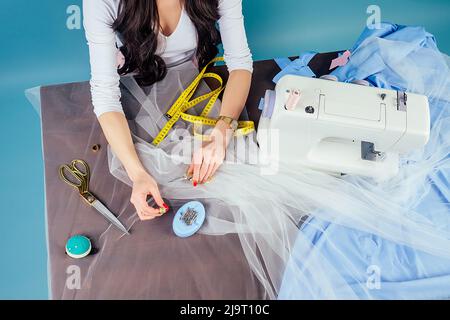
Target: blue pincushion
188,219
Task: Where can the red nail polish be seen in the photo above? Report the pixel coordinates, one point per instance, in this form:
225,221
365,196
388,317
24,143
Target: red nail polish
166,206
195,183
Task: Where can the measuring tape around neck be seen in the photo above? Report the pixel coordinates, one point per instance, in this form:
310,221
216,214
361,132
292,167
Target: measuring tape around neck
183,103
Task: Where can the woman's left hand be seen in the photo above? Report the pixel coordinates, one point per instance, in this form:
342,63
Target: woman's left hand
208,158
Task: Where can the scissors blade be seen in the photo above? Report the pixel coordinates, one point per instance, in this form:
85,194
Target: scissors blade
108,215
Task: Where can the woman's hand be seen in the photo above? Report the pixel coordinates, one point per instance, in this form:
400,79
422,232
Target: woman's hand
143,186
117,132
210,156
207,159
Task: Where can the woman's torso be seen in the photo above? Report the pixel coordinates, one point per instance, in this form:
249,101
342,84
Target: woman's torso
178,47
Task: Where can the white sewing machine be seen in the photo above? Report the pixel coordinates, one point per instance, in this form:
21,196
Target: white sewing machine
343,128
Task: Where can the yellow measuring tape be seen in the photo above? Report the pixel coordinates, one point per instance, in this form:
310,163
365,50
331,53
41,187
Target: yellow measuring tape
183,103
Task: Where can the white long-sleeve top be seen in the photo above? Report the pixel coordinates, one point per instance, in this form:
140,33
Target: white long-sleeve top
181,45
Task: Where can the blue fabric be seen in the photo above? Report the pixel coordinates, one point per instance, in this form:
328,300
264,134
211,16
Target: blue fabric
369,63
282,62
405,273
298,67
441,178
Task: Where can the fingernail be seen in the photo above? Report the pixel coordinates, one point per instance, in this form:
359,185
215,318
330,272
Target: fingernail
166,207
162,210
195,183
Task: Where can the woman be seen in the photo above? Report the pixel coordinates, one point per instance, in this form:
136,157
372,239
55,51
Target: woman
153,35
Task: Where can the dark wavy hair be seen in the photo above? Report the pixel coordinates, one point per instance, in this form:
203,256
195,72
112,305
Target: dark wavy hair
138,25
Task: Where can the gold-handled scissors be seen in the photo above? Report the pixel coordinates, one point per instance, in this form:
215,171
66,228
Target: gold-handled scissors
77,175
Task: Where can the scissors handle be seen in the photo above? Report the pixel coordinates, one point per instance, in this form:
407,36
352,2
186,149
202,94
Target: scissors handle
80,174
82,168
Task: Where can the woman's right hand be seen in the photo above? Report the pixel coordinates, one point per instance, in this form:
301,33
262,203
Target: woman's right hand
115,127
143,186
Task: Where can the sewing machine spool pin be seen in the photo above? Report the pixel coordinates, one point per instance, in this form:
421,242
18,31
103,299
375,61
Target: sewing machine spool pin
293,97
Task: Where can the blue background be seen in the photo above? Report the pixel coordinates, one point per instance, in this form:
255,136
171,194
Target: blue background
38,49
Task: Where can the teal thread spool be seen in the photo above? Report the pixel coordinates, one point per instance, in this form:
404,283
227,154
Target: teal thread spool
78,246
